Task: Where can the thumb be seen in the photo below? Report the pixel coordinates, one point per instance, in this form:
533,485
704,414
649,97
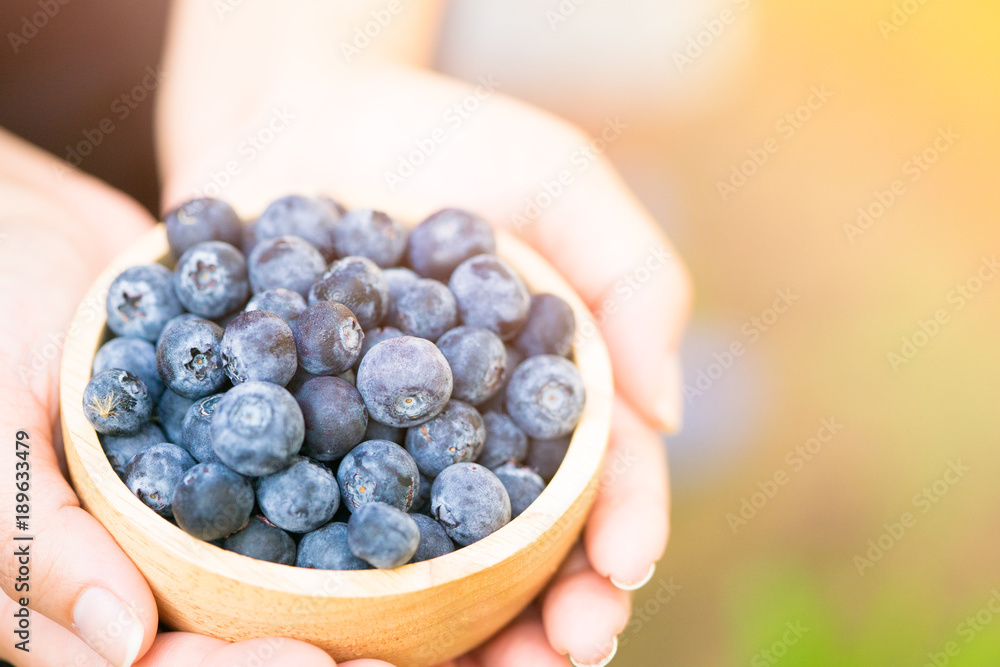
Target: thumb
628,273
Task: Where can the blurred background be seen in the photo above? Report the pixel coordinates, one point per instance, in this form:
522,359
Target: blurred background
829,172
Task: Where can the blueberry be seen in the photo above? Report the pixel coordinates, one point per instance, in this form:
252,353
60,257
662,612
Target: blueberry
398,279
549,329
262,540
490,294
445,240
498,402
546,455
505,442
545,396
141,300
371,234
404,381
426,309
259,345
287,262
121,448
196,429
300,498
212,501
199,220
328,338
170,413
434,541
454,436
311,218
154,473
257,428
382,535
477,358
211,279
379,431
523,486
284,303
135,355
335,417
470,502
189,358
375,336
326,549
116,402
423,502
378,471
358,283
183,317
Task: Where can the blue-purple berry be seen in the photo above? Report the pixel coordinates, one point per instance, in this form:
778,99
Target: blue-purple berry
262,540
328,338
310,218
546,455
141,300
469,502
284,303
358,283
446,239
549,329
285,262
189,358
382,535
545,396
326,549
477,358
336,418
199,220
404,381
121,448
378,471
490,294
523,486
456,435
170,413
211,280
135,355
116,402
196,429
211,501
379,431
426,309
505,441
154,473
259,345
300,498
257,428
372,234
434,541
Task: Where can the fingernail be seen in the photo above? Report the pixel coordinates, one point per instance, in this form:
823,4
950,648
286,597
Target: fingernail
667,405
108,626
626,586
604,661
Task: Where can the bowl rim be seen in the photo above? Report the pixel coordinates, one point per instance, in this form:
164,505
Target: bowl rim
578,474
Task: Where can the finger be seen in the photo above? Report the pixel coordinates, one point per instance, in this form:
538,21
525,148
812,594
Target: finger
583,613
629,524
172,649
71,571
523,642
627,271
42,643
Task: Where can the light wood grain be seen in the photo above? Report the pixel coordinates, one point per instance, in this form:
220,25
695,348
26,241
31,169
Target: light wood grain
414,616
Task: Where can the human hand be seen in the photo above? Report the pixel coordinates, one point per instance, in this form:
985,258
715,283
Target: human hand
301,122
88,603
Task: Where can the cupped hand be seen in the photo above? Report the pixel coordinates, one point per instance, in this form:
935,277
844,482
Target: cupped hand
88,603
249,126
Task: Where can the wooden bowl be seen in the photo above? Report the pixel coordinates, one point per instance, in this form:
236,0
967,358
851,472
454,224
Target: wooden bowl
414,616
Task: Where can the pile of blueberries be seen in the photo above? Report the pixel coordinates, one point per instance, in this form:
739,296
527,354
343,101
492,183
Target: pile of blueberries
326,388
